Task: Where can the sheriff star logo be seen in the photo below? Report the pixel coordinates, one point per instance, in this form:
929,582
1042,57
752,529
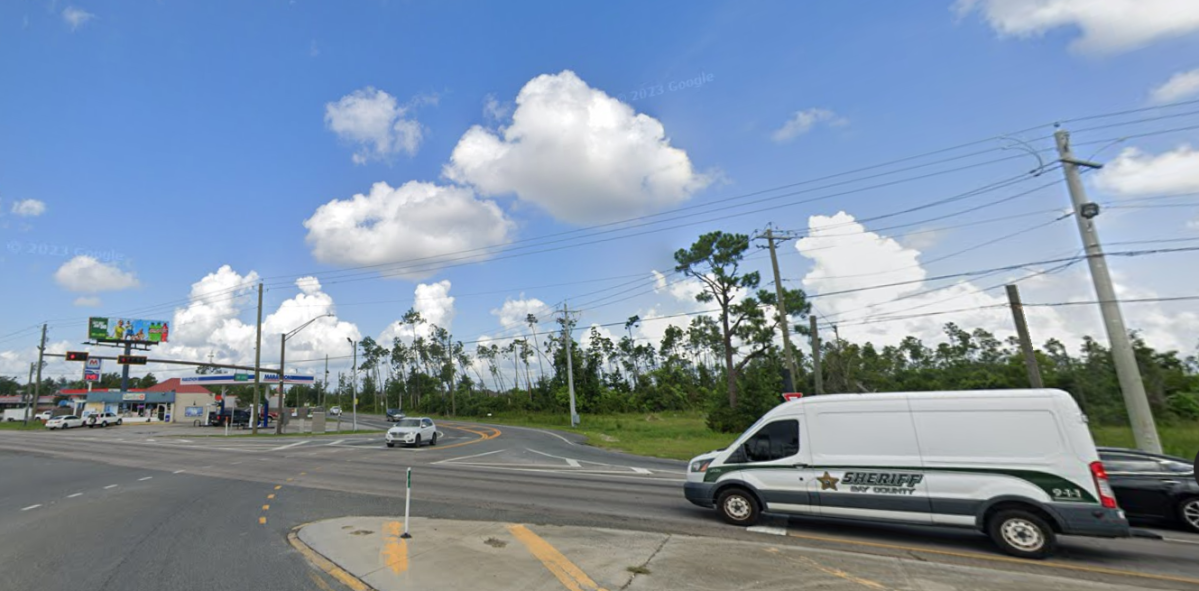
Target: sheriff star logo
828,482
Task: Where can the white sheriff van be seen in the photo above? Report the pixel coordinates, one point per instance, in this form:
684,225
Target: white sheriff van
1018,465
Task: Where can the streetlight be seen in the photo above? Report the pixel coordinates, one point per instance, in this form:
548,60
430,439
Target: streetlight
354,381
283,368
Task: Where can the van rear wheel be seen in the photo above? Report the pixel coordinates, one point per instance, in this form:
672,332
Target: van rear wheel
738,507
1022,533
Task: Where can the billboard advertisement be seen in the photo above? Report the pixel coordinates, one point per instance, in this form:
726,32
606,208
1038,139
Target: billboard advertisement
117,330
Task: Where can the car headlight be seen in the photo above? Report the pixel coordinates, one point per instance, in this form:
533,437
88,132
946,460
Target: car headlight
700,465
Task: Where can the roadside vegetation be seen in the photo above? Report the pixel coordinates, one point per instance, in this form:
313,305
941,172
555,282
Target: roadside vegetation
20,426
711,375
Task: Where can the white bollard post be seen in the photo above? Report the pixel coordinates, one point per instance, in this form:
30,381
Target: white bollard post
407,504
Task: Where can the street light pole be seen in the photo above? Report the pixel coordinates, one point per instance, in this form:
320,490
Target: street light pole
283,368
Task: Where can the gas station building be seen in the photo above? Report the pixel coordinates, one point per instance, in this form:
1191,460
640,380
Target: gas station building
170,401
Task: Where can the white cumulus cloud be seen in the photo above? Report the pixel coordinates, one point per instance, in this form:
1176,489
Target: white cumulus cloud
803,121
1106,26
86,274
1182,85
1134,172
414,221
376,123
513,313
87,302
578,153
436,307
28,208
76,17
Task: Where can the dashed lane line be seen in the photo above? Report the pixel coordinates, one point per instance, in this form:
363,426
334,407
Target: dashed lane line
31,507
290,445
451,460
144,479
74,495
640,470
110,486
178,472
261,521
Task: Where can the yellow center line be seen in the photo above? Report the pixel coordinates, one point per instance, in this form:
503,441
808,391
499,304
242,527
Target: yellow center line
571,576
395,548
271,496
1023,561
482,436
279,487
266,507
262,521
303,473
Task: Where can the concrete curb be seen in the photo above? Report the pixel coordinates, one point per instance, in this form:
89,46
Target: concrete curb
324,564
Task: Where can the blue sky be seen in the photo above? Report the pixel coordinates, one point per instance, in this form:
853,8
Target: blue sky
171,139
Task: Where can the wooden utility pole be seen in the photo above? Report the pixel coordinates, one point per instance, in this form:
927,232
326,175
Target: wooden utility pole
254,412
37,386
817,370
781,307
28,395
1030,357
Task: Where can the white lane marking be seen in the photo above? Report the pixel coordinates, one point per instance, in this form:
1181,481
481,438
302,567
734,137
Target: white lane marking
146,478
569,462
640,470
110,486
185,441
150,440
177,472
296,444
486,453
74,495
1178,541
31,507
557,470
234,463
773,530
336,442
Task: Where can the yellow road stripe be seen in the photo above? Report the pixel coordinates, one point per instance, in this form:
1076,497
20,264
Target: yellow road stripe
324,564
290,479
395,548
266,507
271,496
279,487
303,473
261,521
572,577
1023,561
319,581
831,571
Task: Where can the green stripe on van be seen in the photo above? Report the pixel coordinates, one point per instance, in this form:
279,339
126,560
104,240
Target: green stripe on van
1058,488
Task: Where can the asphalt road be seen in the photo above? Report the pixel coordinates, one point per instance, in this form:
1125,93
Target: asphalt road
203,518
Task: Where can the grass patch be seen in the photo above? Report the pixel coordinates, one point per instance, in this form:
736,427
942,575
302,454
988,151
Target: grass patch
1180,440
20,426
683,435
677,435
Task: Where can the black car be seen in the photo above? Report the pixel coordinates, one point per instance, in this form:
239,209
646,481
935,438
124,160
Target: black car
1152,487
394,414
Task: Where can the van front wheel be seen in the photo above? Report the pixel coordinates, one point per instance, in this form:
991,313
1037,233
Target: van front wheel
1022,533
738,507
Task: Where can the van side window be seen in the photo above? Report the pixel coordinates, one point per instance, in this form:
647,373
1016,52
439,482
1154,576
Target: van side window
774,441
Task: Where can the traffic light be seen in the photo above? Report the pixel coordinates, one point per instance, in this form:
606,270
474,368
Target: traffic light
131,359
76,355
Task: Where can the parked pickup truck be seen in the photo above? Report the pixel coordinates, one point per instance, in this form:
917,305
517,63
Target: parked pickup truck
101,419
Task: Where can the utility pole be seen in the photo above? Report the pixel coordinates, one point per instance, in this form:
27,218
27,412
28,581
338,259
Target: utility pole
325,385
817,370
570,372
449,354
782,310
37,386
28,395
254,412
354,381
1144,430
1030,357
282,373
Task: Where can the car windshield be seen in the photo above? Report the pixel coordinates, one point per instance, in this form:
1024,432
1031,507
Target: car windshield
408,423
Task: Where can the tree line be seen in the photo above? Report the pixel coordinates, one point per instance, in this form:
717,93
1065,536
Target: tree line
726,364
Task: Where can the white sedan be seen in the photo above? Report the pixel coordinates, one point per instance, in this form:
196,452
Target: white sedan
412,431
64,422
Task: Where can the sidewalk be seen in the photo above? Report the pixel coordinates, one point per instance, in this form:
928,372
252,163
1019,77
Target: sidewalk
368,553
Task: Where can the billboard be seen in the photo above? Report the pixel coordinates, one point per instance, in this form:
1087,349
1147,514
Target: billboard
118,330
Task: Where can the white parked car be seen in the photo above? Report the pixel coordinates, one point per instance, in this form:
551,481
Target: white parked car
412,431
43,416
102,419
64,422
335,411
